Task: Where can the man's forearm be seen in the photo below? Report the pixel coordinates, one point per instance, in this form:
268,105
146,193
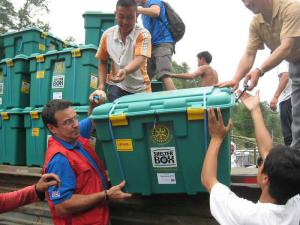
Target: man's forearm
263,138
210,164
281,86
102,70
183,75
245,65
135,64
80,203
153,11
279,54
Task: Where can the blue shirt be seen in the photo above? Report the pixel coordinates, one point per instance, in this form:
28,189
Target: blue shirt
60,165
157,26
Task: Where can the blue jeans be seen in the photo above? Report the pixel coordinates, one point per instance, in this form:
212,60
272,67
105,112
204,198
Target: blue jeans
286,119
115,92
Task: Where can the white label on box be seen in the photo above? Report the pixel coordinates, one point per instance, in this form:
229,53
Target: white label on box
1,88
57,95
164,157
58,81
166,178
0,101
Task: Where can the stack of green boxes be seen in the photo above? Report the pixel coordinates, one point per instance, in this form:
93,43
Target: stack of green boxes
37,68
157,142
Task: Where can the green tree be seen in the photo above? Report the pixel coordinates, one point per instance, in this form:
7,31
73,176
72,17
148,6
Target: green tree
27,15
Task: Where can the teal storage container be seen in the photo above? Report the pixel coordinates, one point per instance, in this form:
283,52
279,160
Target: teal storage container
95,23
29,41
12,136
41,72
1,48
70,74
37,134
156,86
14,82
157,141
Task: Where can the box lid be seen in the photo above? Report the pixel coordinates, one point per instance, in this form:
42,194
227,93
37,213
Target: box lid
166,102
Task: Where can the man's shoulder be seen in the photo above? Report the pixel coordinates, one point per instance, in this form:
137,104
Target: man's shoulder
141,30
110,31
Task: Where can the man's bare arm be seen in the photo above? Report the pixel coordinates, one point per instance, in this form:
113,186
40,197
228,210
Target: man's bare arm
152,11
284,79
199,72
102,71
263,138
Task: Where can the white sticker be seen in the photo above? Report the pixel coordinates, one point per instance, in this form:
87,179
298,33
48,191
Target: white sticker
166,178
0,101
57,95
164,157
93,141
1,88
58,81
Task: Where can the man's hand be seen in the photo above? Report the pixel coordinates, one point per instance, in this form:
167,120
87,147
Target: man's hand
273,103
120,76
116,193
234,84
47,180
97,97
216,127
253,77
251,102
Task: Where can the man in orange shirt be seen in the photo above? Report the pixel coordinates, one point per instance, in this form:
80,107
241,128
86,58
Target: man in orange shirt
129,46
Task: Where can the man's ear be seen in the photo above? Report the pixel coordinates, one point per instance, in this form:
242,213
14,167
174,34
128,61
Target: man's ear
265,179
52,128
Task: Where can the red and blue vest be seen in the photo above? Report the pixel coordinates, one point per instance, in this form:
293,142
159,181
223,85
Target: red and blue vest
87,182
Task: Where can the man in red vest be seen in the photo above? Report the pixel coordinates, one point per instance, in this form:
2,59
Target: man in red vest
84,191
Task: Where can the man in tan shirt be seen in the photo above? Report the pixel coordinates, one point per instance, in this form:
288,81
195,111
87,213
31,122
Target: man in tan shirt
276,24
209,76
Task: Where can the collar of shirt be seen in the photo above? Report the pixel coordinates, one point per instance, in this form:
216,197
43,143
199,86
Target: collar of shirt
67,145
274,12
117,35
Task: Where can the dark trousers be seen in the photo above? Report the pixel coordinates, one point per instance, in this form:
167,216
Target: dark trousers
286,119
115,92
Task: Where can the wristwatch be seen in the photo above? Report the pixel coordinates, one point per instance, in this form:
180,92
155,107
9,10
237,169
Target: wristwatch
262,72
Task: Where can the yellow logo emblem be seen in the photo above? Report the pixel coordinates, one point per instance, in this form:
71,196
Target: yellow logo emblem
161,134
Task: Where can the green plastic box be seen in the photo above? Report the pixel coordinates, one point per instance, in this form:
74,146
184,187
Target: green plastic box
70,74
95,23
29,41
157,141
12,136
1,48
37,134
41,69
14,82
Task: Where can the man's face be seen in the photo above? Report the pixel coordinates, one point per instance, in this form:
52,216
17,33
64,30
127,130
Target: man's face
252,5
126,18
67,127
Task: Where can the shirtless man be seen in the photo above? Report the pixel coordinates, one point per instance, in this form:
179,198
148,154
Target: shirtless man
209,76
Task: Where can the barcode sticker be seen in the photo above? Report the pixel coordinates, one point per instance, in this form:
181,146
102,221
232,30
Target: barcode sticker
58,81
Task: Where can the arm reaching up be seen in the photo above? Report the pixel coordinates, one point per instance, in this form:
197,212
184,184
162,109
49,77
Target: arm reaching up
217,132
263,138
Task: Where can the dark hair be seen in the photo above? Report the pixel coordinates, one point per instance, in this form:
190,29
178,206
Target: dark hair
126,3
48,113
206,55
282,166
